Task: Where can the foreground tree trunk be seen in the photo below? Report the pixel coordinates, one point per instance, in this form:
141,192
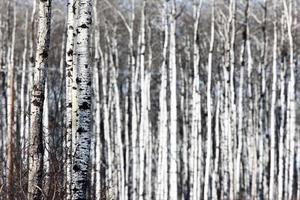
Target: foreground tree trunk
36,151
69,84
83,79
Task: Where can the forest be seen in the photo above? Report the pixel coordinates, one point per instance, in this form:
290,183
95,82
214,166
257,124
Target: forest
149,100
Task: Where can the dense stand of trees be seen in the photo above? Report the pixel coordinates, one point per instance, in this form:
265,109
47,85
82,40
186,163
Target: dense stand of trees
149,99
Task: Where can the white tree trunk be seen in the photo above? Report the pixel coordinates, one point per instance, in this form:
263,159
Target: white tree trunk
69,84
173,105
36,151
83,79
209,112
273,182
162,179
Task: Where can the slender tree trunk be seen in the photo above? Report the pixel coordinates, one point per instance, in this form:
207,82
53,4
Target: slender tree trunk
83,118
196,104
10,111
173,105
162,179
23,88
69,84
143,123
291,120
96,103
36,151
273,182
209,111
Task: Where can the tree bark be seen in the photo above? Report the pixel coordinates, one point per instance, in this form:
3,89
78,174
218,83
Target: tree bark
83,79
36,151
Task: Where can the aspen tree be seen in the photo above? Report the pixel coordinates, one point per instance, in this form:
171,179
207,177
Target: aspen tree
282,129
36,151
96,101
196,103
119,142
45,127
70,78
162,178
133,110
107,139
209,104
227,157
143,123
23,88
240,106
31,65
173,105
262,108
215,179
232,106
149,155
83,79
273,182
10,108
291,120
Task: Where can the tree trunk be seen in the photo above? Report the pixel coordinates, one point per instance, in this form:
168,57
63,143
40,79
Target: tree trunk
36,151
83,143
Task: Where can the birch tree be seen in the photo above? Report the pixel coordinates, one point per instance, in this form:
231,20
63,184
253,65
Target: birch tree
36,151
69,83
173,103
10,110
83,79
209,112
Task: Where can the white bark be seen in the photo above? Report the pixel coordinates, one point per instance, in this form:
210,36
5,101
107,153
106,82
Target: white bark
196,107
162,179
173,105
273,182
96,103
36,151
143,123
83,79
69,84
23,77
209,112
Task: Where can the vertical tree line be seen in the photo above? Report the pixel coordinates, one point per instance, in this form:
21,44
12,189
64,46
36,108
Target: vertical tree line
156,99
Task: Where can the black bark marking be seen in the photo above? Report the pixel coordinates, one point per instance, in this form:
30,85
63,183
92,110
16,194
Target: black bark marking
80,130
84,106
44,54
78,80
76,168
69,74
70,52
37,103
83,26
